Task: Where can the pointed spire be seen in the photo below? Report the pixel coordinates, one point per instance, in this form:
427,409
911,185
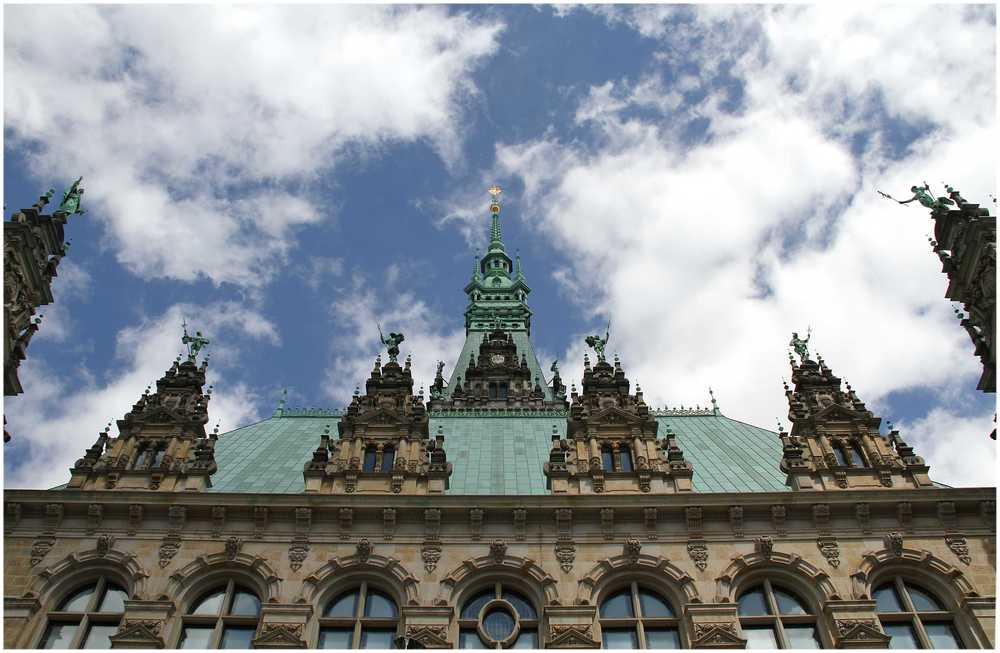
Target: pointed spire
715,404
475,267
495,240
517,266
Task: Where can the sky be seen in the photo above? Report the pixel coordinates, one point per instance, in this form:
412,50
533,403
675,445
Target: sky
702,176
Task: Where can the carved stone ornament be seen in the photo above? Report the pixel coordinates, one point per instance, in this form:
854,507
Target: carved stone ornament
864,516
168,549
498,550
430,552
716,635
650,515
565,553
104,544
364,549
388,523
134,518
233,545
571,636
297,553
698,550
736,520
830,550
40,548
608,522
632,549
138,633
778,514
277,635
861,631
428,636
764,545
476,516
959,546
218,520
894,542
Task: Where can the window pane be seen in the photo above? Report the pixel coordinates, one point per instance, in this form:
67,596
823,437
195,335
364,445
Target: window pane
469,638
788,603
617,606
526,639
380,605
335,637
802,636
902,635
524,608
653,606
838,453
343,606
620,638
377,638
498,624
760,637
210,603
886,599
369,464
476,603
79,601
388,456
196,636
625,459
662,638
942,635
114,599
923,601
237,636
245,603
59,635
857,458
607,459
98,634
753,603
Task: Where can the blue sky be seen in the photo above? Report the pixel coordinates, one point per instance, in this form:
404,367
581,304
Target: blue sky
702,176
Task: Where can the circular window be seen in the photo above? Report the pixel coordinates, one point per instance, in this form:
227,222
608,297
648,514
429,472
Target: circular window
498,618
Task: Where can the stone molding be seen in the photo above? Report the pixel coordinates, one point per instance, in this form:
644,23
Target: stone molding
254,567
492,564
790,563
336,568
591,584
914,560
123,565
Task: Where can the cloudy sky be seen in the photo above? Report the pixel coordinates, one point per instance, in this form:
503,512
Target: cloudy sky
702,176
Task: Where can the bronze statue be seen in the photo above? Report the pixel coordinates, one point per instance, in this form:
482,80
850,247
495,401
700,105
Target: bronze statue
391,343
597,343
555,367
922,194
799,345
71,200
194,343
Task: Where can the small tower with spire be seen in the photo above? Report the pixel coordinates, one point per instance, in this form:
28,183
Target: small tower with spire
162,444
834,443
33,247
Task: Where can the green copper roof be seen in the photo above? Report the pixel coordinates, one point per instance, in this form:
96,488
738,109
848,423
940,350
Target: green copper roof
500,455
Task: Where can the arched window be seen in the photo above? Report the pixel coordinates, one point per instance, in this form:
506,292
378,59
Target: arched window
857,456
388,457
87,617
498,617
772,617
224,617
371,455
636,617
914,617
838,453
608,458
359,618
625,458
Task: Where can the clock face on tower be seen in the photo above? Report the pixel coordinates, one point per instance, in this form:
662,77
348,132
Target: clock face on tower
496,359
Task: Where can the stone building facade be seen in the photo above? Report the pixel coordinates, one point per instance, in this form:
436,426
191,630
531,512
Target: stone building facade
502,511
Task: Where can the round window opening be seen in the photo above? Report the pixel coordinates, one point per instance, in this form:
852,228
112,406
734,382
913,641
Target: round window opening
498,623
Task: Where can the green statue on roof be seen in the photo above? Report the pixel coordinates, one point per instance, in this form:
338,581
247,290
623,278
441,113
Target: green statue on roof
70,204
597,343
800,345
194,343
391,343
923,195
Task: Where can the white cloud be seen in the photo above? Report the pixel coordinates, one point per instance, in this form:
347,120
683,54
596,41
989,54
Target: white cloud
58,417
957,447
72,282
707,255
359,311
168,112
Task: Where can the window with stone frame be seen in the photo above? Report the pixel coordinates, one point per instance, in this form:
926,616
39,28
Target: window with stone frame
498,617
225,616
914,617
638,617
371,458
774,617
86,617
362,617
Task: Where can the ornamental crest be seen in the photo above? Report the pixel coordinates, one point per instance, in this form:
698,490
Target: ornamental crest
364,549
698,550
959,546
565,554
498,550
297,554
430,552
830,550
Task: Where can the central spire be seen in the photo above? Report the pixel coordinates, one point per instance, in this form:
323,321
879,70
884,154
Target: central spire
496,243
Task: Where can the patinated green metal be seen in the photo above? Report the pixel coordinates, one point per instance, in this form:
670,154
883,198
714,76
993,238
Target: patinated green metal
597,343
391,343
194,343
800,345
70,204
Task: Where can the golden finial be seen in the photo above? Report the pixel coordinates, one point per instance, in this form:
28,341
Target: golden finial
495,191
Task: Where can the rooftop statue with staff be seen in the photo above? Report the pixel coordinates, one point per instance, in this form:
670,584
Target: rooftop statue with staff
391,343
597,343
801,346
194,343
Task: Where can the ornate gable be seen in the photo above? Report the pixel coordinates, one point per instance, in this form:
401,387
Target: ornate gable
280,636
141,633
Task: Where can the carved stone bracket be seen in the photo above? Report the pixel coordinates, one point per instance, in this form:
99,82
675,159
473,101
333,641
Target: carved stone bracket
520,523
280,635
904,514
860,633
632,549
476,516
650,517
830,549
388,523
138,633
218,520
698,551
764,546
693,520
298,551
104,544
608,523
565,553
862,512
716,635
959,546
95,513
168,549
571,636
134,518
894,542
233,545
346,519
430,553
736,520
40,548
429,636
778,514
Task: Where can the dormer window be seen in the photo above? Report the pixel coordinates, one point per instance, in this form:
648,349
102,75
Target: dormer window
499,390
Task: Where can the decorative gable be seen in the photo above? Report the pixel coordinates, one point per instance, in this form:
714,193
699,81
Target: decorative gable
280,636
143,633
